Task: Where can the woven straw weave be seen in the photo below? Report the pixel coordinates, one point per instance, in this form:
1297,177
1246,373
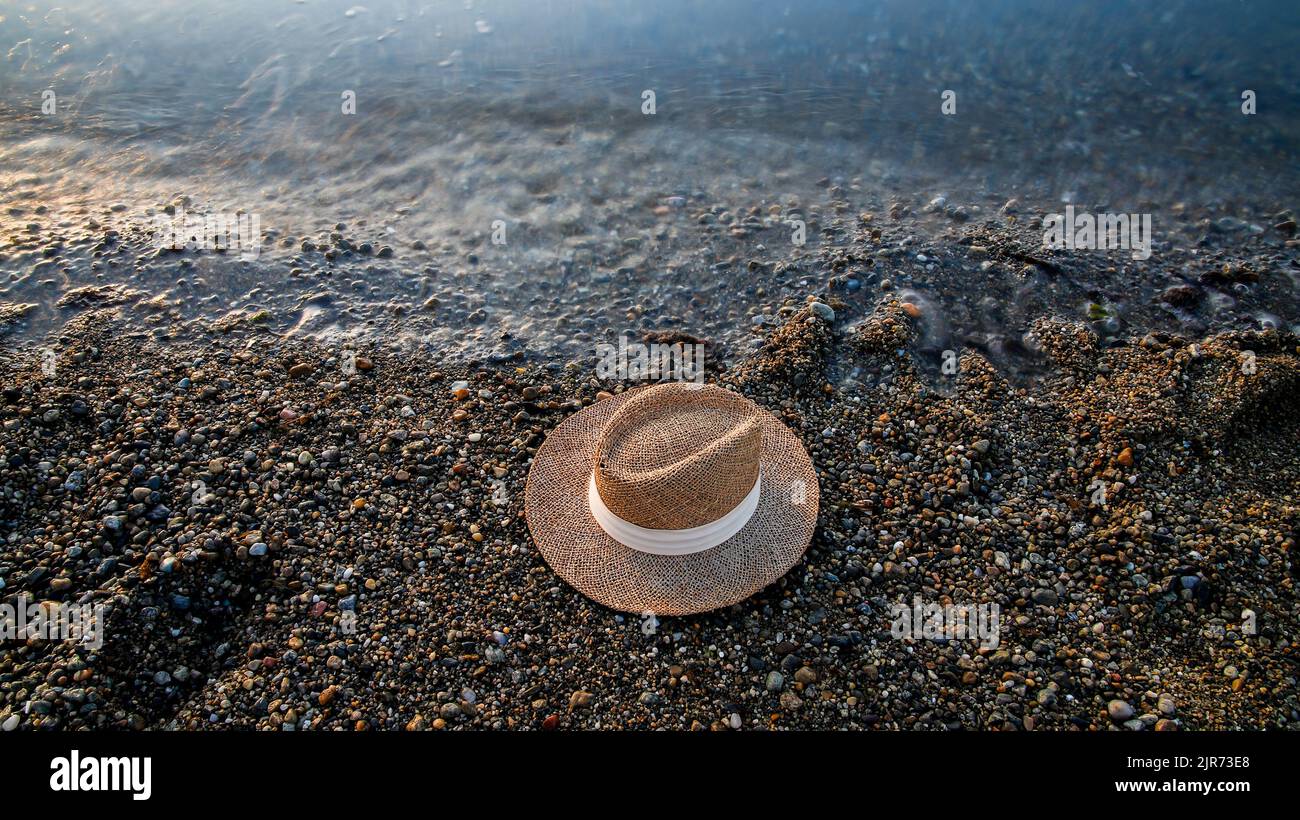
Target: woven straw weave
681,463
671,456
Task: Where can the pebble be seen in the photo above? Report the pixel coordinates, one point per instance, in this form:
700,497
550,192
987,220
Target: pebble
579,700
1046,597
823,311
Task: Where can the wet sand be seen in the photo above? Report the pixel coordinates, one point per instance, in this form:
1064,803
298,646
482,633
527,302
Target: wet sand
717,265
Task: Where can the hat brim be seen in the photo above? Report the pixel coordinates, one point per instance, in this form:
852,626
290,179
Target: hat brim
580,552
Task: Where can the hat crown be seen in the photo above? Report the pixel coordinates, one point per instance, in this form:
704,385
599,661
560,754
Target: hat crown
677,456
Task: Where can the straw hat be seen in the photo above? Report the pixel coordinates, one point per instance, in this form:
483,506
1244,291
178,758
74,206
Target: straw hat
673,499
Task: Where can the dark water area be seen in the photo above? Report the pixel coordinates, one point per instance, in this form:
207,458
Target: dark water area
532,116
1046,92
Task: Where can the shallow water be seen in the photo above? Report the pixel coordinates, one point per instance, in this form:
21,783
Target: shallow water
525,122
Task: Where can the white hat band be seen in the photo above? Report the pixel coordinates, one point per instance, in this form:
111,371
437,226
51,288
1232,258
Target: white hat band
673,542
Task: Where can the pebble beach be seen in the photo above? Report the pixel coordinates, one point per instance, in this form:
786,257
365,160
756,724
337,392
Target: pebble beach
354,555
